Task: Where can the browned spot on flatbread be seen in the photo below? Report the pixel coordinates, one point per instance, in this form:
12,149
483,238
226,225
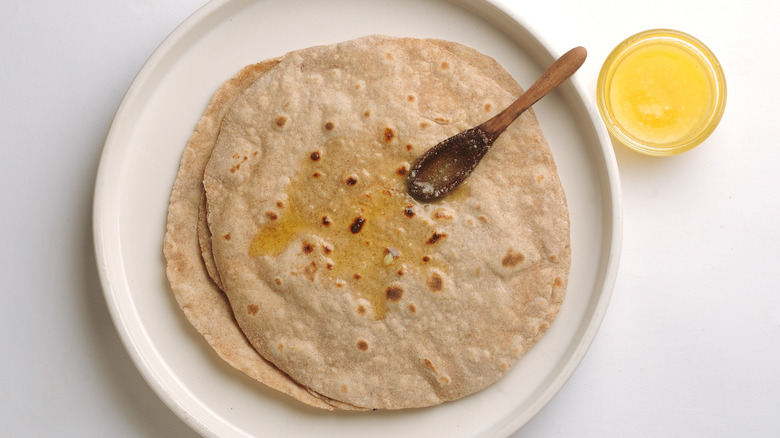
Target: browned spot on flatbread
271,215
361,309
307,247
434,282
429,365
280,121
442,214
512,258
362,345
388,135
315,156
412,308
357,224
558,281
435,237
394,293
226,236
310,271
278,281
411,98
329,126
252,309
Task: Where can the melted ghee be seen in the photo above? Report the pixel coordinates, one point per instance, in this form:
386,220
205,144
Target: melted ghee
360,229
661,93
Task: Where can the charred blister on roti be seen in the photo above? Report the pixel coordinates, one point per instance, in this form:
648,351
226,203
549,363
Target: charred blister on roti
443,213
435,282
436,237
388,135
307,248
512,258
357,225
434,374
281,121
394,293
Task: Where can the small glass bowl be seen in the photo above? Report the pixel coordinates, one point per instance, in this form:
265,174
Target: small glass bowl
699,52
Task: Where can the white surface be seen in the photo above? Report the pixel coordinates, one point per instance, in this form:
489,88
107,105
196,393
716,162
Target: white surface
142,154
690,345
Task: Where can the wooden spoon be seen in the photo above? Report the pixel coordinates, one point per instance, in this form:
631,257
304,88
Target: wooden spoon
443,167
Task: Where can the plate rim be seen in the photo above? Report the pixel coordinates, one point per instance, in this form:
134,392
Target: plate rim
101,217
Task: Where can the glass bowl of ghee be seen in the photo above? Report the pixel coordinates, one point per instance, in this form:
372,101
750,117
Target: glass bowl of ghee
661,92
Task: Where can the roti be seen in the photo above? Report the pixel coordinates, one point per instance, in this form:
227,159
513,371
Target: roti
202,301
349,287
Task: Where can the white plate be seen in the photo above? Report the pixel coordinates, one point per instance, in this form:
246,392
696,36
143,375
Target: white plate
141,157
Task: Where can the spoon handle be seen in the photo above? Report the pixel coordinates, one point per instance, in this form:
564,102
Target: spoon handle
558,72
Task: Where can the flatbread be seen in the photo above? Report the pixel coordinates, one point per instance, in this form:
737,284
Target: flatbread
338,277
203,303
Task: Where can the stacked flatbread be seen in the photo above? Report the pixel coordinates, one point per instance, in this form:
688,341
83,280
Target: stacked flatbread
293,247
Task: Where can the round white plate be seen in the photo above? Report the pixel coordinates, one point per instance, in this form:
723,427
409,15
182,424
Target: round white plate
141,157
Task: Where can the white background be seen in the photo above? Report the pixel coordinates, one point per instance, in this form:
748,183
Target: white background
690,345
